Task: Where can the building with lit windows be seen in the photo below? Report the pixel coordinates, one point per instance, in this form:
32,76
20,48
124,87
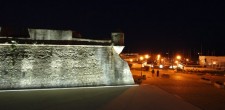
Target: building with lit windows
216,62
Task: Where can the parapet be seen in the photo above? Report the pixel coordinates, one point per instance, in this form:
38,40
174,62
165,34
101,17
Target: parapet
56,37
46,34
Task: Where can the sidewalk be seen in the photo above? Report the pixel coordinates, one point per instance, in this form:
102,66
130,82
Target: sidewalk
143,97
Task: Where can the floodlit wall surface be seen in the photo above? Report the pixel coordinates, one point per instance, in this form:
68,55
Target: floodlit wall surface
44,34
44,66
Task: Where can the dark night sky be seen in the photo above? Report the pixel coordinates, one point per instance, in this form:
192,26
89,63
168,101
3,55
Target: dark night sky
149,25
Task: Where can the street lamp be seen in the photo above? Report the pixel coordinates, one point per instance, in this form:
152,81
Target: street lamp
178,61
158,57
187,60
141,58
146,56
178,57
131,60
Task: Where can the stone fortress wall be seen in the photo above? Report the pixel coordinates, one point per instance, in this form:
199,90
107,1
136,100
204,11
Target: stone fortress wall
52,66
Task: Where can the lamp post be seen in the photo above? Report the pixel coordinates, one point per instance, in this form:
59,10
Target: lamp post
158,59
146,57
178,57
141,59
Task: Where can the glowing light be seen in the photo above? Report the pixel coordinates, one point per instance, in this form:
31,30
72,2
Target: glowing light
13,41
180,66
145,63
160,66
146,56
151,66
178,57
158,56
141,58
173,67
176,62
187,59
131,60
214,62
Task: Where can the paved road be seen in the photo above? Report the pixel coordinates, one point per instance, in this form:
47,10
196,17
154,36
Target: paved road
190,88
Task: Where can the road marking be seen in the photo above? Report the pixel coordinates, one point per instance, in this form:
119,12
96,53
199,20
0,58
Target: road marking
20,90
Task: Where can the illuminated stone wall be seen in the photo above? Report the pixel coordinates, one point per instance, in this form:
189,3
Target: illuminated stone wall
47,34
44,66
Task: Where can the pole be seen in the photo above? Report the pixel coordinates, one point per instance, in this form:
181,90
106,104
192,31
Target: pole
201,48
141,69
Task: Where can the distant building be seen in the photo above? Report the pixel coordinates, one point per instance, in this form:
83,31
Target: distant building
217,62
130,57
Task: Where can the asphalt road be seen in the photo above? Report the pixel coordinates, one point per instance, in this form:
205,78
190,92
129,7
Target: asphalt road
143,97
190,88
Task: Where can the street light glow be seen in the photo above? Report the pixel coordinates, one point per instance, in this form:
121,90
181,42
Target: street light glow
141,58
178,57
158,56
131,60
160,66
146,56
187,59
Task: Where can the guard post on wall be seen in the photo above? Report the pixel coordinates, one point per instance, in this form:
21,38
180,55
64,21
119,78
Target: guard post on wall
118,39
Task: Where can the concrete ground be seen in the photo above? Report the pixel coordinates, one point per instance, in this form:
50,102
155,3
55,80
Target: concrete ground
143,97
178,92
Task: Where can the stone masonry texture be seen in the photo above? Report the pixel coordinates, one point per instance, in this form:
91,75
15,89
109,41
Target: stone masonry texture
50,66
